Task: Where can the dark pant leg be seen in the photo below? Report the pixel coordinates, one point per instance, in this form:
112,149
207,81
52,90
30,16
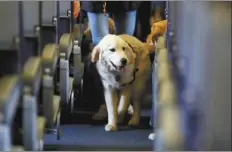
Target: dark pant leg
87,81
92,88
161,4
144,12
98,86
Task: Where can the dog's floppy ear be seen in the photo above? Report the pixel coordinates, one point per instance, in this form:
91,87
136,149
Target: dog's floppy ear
95,54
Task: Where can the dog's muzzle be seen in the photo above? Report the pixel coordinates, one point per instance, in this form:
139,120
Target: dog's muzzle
118,68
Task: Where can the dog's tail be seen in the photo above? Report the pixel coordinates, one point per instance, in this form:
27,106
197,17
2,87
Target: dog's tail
150,47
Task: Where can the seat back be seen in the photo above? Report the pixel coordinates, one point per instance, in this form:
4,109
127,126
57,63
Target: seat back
31,18
49,22
12,55
12,58
200,40
65,17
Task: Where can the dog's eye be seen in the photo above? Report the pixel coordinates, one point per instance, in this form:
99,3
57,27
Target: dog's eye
123,48
112,50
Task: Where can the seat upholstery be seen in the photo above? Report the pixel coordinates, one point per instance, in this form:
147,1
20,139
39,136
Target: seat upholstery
32,74
49,58
66,45
7,85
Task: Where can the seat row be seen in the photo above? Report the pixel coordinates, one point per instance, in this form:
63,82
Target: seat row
36,46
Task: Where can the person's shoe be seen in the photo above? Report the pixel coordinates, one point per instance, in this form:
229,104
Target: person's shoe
101,114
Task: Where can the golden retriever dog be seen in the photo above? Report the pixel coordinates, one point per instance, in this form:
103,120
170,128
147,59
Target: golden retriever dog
123,64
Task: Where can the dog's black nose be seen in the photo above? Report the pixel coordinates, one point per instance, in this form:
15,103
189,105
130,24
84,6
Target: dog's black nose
123,61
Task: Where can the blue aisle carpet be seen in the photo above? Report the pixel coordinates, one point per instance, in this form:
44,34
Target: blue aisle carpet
86,137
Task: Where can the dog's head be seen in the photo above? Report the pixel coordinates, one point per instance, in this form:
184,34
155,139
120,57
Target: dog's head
114,52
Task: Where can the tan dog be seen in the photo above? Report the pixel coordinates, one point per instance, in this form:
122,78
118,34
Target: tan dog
124,67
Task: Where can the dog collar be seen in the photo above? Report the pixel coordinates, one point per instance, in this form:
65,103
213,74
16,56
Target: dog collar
124,84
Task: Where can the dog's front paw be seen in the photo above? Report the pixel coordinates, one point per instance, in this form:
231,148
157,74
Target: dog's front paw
133,122
110,128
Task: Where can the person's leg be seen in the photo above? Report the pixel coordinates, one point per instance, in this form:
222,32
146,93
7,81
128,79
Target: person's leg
144,12
125,22
98,23
158,10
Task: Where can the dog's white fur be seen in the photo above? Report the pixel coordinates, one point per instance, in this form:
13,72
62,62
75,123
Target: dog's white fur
107,55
